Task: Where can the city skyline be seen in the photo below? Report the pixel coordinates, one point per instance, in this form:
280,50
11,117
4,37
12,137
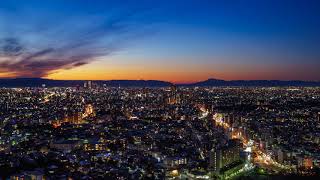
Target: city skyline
159,89
180,42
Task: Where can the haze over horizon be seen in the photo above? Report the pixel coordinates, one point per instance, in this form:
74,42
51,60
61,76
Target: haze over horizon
180,41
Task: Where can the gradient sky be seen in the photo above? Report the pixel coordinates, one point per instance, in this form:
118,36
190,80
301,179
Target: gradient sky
177,41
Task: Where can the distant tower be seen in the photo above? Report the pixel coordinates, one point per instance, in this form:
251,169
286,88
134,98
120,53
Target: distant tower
89,84
174,97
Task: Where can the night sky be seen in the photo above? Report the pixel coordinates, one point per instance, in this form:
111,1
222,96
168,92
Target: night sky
177,41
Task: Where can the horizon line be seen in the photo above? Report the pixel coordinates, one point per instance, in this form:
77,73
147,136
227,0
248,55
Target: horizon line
172,82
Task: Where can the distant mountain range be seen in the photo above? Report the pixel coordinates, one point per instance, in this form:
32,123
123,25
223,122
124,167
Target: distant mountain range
38,82
267,83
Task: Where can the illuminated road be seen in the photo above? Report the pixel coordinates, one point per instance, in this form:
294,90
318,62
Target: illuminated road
47,97
262,159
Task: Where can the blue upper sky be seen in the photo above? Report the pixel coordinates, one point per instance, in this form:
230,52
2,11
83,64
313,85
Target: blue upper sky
230,39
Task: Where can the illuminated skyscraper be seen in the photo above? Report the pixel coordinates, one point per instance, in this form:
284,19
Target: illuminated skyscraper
215,159
89,84
174,96
222,156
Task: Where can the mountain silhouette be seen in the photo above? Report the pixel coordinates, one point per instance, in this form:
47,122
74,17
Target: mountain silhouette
38,82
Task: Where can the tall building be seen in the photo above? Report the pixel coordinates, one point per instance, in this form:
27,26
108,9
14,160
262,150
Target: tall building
222,156
215,159
89,84
174,96
279,155
74,118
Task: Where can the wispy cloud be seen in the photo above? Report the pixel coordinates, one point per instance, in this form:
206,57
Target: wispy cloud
38,48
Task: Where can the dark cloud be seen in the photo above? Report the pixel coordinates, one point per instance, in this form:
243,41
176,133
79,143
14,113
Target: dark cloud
10,47
71,44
